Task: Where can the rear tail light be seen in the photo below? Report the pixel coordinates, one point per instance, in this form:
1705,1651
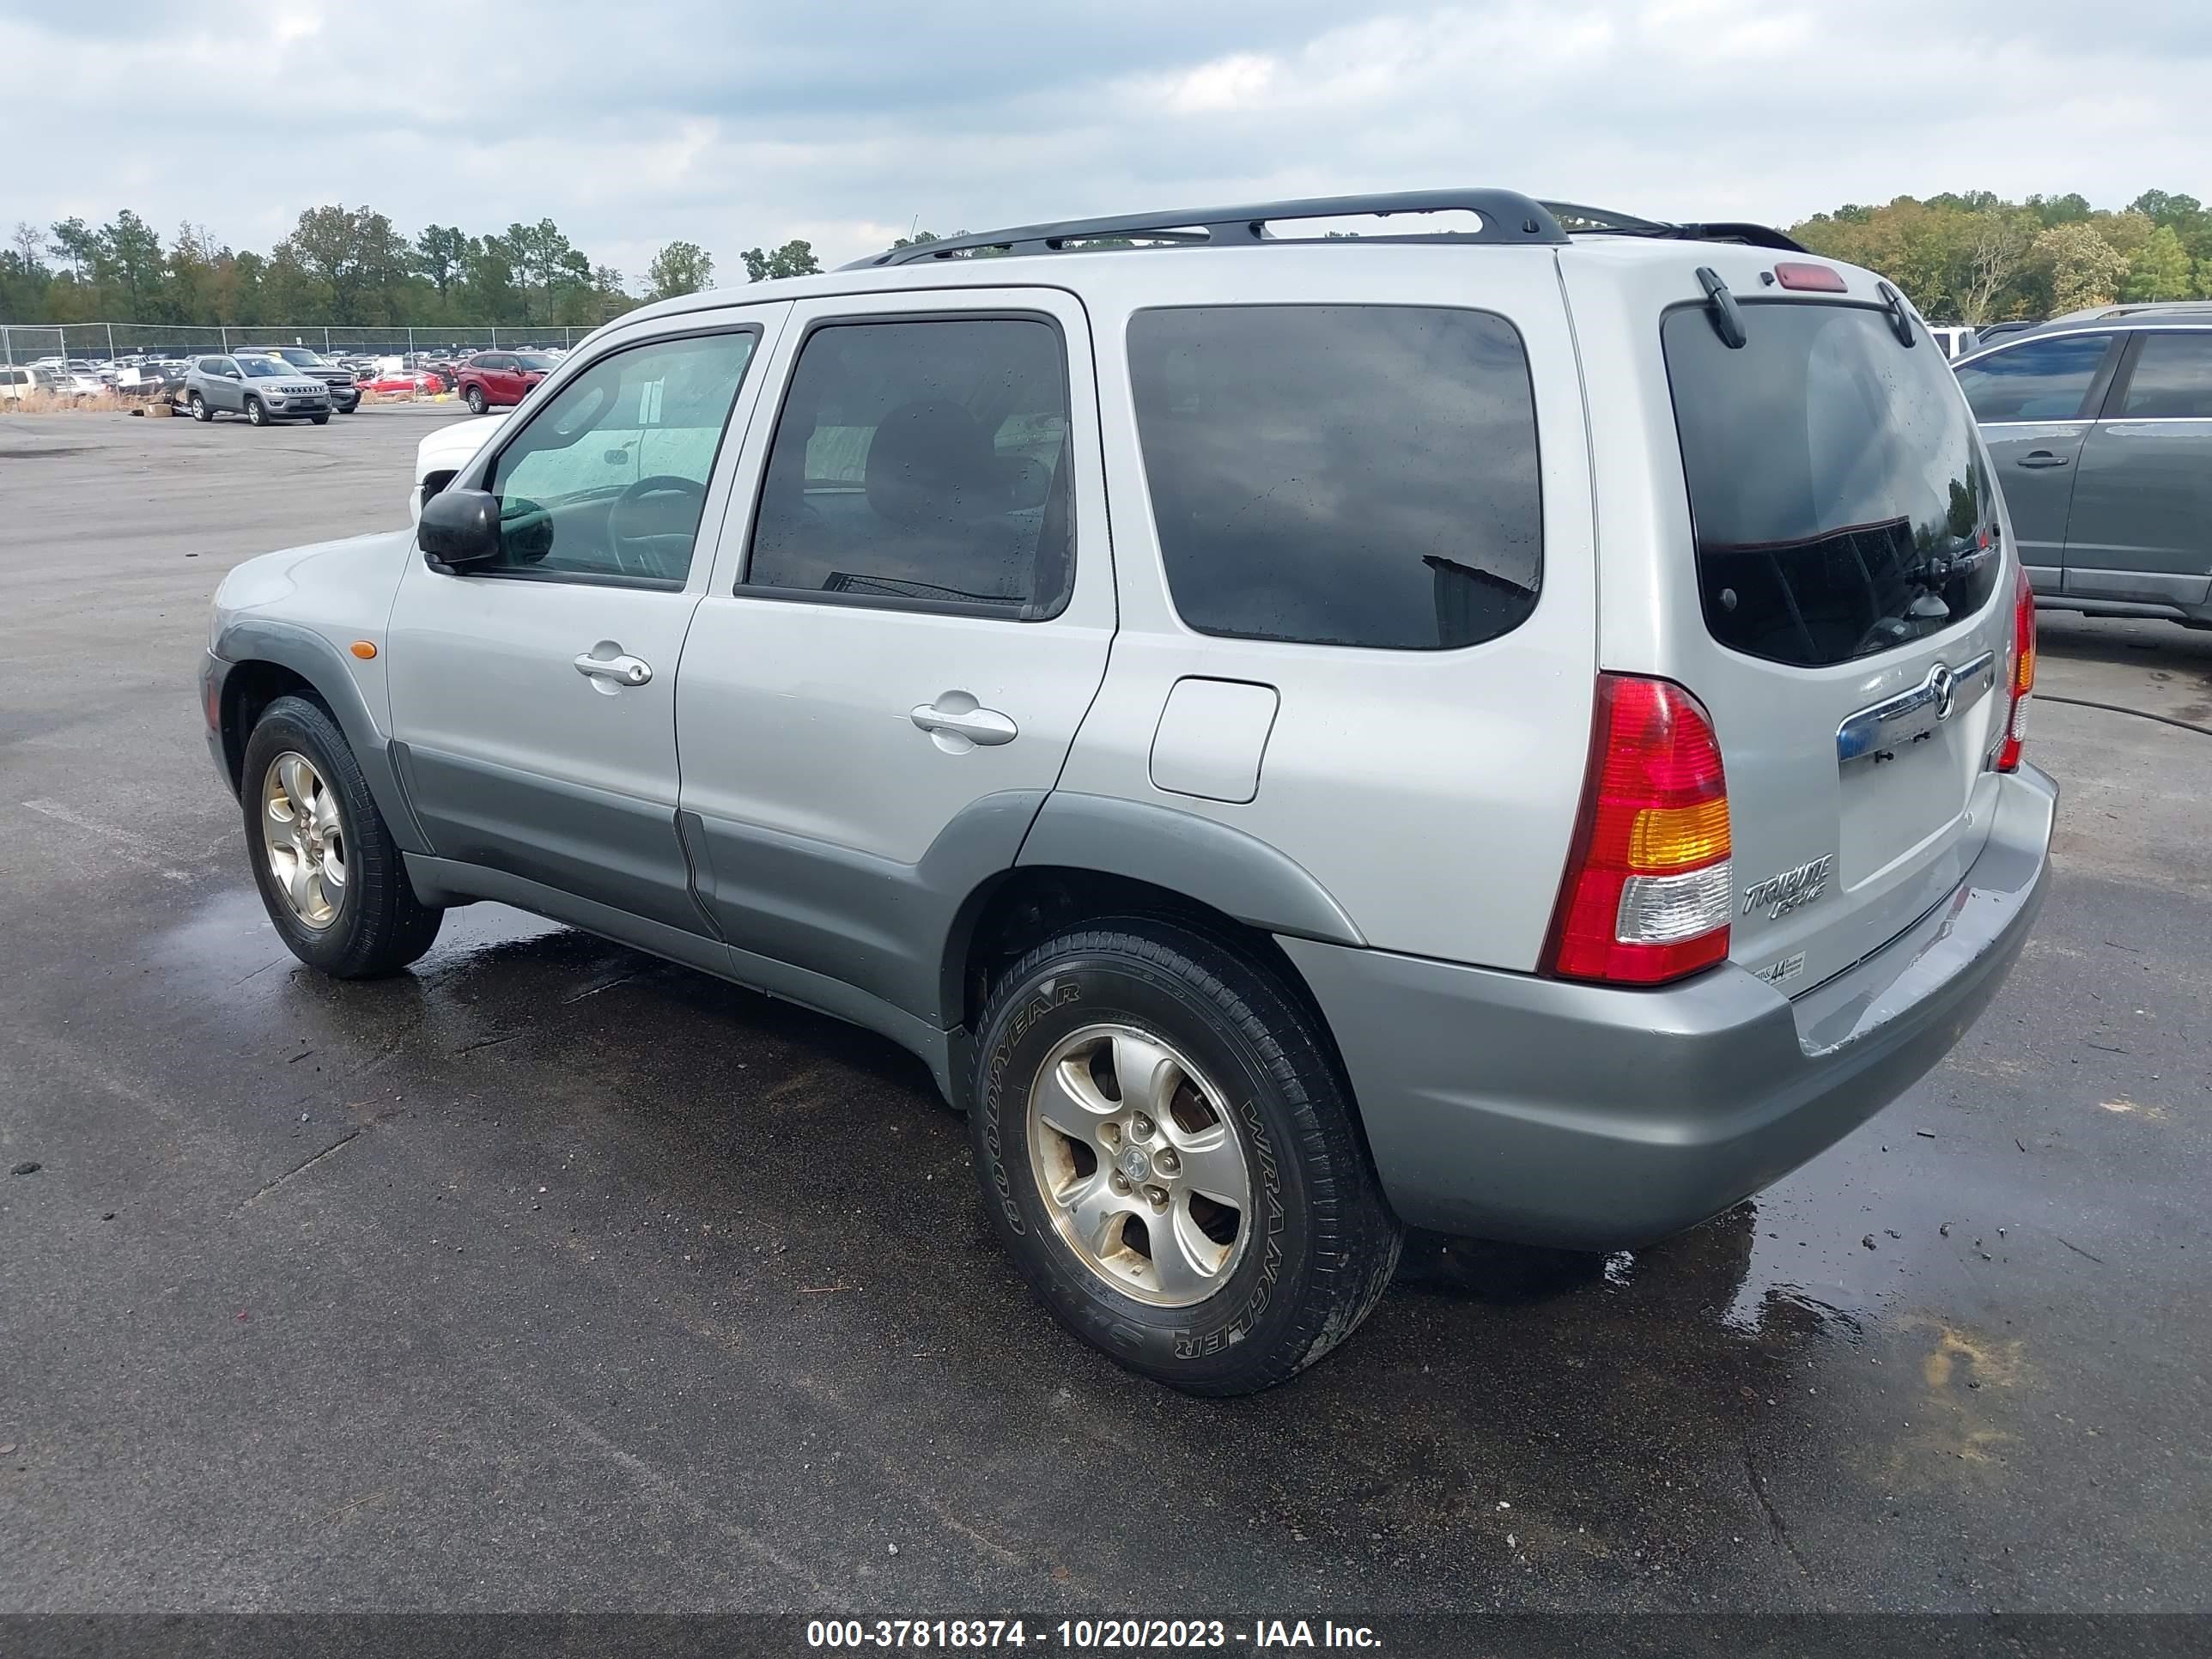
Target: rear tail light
1647,891
2023,676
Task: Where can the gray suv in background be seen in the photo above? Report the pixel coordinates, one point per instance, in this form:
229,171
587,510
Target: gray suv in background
262,389
345,390
2100,427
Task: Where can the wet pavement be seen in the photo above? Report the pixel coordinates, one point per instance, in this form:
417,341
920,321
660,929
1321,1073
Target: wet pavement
553,1276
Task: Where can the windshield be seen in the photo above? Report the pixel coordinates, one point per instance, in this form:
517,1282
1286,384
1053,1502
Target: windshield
1836,489
537,360
263,368
302,357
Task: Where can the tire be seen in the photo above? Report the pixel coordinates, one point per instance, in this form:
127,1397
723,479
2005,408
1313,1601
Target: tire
319,420
1311,1254
376,926
476,400
256,415
199,408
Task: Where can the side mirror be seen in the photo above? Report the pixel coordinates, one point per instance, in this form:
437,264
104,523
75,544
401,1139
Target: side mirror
459,529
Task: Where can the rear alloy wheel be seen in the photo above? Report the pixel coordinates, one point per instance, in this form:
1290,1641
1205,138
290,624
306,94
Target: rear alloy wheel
1166,1147
256,415
476,400
200,410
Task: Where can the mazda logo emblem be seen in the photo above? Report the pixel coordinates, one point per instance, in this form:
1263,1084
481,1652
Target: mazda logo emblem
1946,687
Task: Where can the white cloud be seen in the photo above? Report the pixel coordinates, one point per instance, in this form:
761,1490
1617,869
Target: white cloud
738,124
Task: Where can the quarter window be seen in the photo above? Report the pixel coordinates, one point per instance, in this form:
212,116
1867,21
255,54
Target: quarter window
1341,475
2172,379
609,479
2036,380
925,462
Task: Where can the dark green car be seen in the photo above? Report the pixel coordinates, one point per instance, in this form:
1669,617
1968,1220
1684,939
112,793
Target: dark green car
2100,427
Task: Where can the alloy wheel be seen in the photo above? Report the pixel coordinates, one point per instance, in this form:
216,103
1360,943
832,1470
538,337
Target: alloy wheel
1140,1162
303,838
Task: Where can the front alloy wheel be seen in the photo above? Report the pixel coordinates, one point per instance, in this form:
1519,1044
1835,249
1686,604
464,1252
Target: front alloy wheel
303,839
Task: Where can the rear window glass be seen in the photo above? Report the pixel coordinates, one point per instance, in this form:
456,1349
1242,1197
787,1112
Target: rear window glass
1341,475
1837,496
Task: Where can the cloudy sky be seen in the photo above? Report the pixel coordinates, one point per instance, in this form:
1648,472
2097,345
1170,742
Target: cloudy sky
731,123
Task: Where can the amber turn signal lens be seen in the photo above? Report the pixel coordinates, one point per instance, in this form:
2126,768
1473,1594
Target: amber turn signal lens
364,649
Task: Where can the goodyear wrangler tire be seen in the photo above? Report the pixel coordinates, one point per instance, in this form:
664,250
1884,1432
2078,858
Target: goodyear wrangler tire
1166,1148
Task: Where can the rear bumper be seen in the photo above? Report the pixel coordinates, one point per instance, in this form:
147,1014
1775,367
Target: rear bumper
1502,1105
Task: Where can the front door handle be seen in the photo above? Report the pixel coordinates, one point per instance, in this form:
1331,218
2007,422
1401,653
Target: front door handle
2041,458
956,723
622,670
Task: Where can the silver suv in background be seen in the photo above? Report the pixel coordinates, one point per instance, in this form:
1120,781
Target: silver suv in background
2100,428
1502,730
345,390
262,389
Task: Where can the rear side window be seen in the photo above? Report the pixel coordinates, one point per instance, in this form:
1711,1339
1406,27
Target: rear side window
2172,379
1341,474
2038,380
924,464
1837,492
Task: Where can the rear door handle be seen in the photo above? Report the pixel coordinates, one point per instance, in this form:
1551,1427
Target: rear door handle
2041,458
957,723
623,671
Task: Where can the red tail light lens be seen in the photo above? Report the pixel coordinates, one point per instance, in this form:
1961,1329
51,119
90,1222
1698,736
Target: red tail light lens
2023,676
1647,892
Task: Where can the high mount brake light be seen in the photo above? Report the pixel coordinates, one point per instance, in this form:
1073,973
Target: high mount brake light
1817,279
2023,676
1647,892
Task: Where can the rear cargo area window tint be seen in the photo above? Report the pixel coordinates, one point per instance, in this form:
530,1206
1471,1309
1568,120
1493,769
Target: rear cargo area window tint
1836,494
1341,474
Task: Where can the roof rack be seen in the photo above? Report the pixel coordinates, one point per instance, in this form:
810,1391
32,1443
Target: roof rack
1506,216
1580,221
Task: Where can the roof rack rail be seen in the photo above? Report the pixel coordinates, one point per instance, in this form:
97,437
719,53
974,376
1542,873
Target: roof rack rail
1507,216
1580,221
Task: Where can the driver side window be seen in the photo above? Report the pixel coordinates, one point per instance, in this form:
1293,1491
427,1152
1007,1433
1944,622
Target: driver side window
608,478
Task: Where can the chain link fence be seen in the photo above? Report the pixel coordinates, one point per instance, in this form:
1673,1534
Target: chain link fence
28,343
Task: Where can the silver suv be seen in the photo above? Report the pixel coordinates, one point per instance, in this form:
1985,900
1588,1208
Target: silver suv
1505,731
262,388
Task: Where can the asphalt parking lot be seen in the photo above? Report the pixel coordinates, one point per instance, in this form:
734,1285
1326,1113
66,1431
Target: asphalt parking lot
550,1276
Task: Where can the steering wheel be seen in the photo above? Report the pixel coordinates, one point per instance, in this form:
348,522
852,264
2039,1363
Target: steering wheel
652,524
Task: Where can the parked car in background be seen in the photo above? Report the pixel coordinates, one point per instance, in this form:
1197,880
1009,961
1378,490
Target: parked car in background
403,382
500,379
1989,333
31,381
1955,340
444,451
1628,811
2100,427
345,390
262,389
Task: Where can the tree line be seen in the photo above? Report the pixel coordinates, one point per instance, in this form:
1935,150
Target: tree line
1977,258
1970,257
341,266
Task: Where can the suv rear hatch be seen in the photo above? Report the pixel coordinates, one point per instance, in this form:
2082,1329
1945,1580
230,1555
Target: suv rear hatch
1857,613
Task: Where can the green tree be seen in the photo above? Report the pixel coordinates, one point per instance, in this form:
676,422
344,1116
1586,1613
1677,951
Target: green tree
440,253
127,259
794,258
2085,269
2161,269
326,248
78,243
679,268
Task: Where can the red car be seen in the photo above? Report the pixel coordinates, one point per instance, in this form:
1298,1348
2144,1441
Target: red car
498,379
404,380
